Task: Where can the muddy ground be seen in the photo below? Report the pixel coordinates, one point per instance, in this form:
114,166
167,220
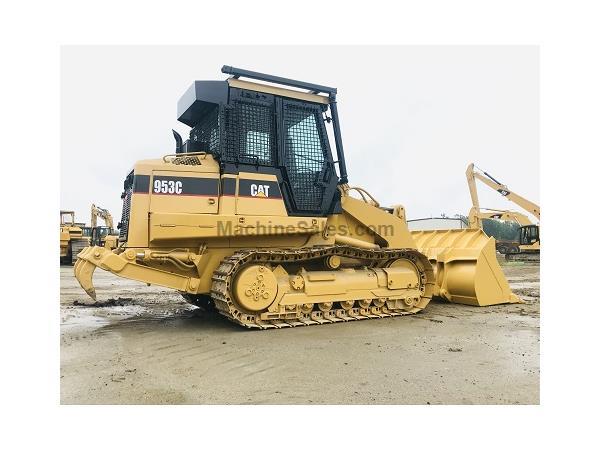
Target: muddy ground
145,345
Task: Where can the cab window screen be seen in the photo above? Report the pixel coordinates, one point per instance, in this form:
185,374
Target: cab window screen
249,136
205,136
258,145
304,138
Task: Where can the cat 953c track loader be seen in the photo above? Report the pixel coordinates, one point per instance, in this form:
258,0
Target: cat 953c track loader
253,215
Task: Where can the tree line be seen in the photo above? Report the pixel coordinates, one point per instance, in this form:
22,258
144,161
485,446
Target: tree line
498,229
501,229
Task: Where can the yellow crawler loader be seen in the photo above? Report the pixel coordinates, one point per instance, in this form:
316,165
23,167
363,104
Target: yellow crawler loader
73,237
253,215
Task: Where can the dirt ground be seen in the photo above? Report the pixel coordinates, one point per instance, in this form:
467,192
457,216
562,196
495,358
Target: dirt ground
145,345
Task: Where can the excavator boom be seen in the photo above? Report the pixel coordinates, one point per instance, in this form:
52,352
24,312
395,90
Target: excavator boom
490,181
103,214
529,234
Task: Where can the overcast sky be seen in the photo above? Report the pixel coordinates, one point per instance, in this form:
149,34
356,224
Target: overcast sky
412,118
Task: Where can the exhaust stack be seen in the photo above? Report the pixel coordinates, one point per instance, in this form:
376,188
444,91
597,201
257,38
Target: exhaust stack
178,142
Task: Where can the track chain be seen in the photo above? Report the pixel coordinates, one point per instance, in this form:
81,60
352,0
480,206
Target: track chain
222,282
523,256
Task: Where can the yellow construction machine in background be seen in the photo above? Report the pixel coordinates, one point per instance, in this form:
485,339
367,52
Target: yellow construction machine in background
527,244
253,215
103,236
73,237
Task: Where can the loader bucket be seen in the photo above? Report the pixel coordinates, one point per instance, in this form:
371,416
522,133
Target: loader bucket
465,265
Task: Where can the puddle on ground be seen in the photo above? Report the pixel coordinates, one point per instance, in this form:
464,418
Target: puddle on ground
77,323
82,318
179,319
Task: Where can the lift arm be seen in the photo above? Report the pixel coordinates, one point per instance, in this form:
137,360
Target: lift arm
490,181
103,214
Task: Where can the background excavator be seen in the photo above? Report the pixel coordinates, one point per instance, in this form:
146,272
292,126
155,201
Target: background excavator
103,236
73,237
527,244
253,215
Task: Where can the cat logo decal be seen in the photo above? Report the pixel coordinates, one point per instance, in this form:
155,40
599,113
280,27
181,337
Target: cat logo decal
259,190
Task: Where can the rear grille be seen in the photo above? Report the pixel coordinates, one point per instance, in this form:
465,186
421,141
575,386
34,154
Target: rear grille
186,161
124,224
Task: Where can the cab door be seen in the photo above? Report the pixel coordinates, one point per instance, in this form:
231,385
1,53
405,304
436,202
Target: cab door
529,235
306,157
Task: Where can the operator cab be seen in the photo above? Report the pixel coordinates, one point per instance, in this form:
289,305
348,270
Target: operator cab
98,234
529,234
257,128
67,218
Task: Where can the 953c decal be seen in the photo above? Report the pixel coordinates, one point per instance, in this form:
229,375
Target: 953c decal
168,187
176,186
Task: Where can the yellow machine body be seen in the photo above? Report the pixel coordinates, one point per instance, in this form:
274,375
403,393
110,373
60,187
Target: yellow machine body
72,239
225,237
181,242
